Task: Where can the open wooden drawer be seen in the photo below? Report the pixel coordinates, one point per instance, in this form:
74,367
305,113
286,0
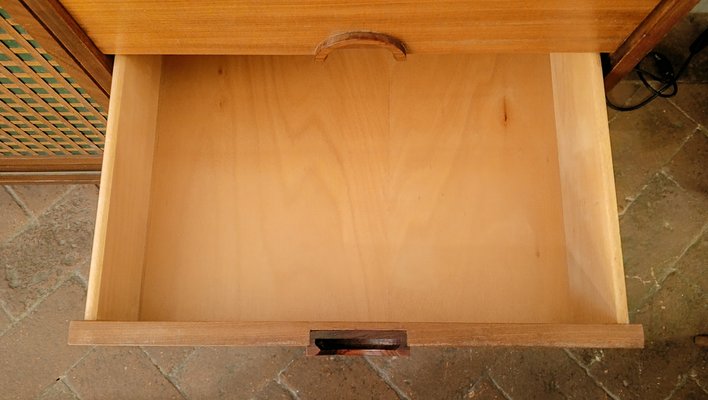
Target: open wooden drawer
457,199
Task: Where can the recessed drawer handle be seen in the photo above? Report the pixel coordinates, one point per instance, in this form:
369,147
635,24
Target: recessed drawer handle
360,39
358,343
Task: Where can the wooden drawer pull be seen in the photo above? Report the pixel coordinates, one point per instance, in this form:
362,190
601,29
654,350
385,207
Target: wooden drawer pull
358,343
358,40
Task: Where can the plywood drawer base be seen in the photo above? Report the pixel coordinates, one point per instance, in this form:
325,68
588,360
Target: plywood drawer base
464,199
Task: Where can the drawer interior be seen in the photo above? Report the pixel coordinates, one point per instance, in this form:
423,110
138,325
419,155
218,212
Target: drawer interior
445,188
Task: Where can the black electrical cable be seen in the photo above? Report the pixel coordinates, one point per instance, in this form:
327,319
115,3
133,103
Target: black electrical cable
665,76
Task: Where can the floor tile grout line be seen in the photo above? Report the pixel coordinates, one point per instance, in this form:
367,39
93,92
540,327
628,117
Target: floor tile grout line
671,268
612,118
696,130
33,220
61,198
682,379
69,388
629,98
9,317
18,199
647,182
501,390
477,382
668,176
682,111
76,363
694,240
77,275
279,381
177,369
291,392
387,379
81,279
39,301
284,385
590,375
697,382
178,366
632,199
163,374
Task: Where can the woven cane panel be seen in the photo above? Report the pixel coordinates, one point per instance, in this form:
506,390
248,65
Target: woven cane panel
43,111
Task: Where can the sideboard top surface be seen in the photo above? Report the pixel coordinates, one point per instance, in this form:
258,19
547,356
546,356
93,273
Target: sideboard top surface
296,27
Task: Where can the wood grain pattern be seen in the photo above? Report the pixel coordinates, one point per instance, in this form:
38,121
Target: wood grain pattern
296,27
645,37
297,334
594,251
57,177
119,239
38,169
427,191
48,164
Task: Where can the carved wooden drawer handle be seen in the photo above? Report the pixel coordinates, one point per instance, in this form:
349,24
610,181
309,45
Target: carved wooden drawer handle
360,39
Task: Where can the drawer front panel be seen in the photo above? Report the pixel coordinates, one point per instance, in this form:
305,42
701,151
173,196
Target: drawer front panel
299,334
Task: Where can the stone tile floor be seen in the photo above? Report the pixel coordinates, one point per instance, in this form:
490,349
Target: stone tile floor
661,169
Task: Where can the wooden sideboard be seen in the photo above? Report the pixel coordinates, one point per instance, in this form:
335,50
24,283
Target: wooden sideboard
319,173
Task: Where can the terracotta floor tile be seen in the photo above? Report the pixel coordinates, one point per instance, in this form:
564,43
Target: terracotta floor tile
655,231
39,197
690,391
231,373
34,352
484,389
5,321
679,310
642,142
539,373
11,216
335,377
58,391
272,391
436,372
692,98
119,373
168,358
36,260
647,374
689,168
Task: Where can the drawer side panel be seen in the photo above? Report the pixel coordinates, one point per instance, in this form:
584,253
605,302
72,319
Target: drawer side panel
595,269
121,224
